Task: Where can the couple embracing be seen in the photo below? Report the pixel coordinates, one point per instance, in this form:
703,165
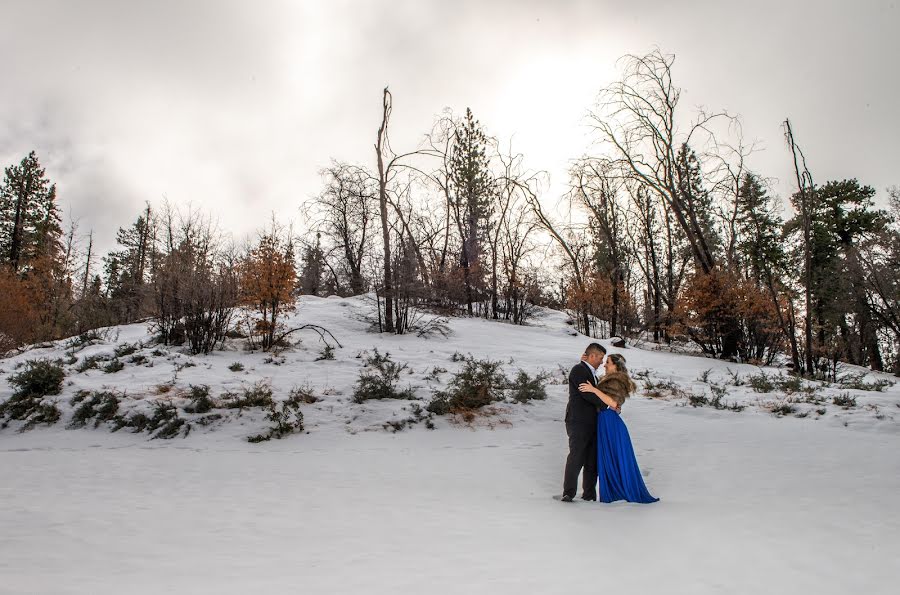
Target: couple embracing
598,439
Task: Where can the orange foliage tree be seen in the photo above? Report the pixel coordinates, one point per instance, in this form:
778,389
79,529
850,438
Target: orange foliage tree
19,319
718,303
595,300
267,280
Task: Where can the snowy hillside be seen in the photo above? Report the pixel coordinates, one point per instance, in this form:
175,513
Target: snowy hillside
767,485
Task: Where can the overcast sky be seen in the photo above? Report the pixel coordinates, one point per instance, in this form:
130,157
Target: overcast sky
234,106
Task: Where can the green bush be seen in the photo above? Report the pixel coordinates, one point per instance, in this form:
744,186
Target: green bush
783,409
39,378
126,349
138,360
45,413
304,394
761,383
697,400
90,363
844,400
100,406
858,382
259,395
326,354
379,379
525,388
286,417
166,423
113,366
479,383
200,401
236,367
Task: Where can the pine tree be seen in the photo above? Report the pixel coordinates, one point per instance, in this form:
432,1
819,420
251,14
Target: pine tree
310,281
31,244
29,217
697,201
842,215
128,270
472,193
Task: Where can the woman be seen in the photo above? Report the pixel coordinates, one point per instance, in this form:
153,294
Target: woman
620,477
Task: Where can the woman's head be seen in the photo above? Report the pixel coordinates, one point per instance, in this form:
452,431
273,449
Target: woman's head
615,362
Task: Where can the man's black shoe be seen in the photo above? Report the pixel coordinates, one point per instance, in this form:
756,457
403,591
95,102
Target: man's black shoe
566,498
593,499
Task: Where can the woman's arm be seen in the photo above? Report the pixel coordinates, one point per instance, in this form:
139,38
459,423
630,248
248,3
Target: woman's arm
588,388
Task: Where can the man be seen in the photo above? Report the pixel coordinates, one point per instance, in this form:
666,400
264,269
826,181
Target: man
581,426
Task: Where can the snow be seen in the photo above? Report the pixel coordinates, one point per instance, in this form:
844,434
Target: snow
750,503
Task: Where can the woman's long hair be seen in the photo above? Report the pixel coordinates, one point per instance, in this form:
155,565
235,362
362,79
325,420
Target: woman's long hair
618,361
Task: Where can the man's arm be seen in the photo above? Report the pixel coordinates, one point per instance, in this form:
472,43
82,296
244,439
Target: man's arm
579,374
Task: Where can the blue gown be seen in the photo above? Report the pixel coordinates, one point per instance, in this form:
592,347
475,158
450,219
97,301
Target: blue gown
620,477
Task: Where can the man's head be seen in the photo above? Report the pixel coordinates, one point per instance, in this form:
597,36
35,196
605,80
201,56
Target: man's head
594,354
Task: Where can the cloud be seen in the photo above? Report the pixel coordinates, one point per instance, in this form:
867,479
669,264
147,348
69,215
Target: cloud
234,106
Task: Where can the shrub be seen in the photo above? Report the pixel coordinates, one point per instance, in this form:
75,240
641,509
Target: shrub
45,413
113,367
100,406
126,349
90,363
138,360
166,423
286,417
783,409
697,400
304,394
525,388
844,400
704,377
479,383
417,415
326,354
378,380
717,400
761,383
790,384
736,379
39,378
259,395
236,367
662,389
857,382
200,401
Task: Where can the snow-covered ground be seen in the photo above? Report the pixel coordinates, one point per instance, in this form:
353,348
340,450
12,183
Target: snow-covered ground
751,502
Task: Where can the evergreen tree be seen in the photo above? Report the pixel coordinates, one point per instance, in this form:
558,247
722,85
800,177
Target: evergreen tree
471,196
842,216
697,201
128,270
759,230
29,217
310,281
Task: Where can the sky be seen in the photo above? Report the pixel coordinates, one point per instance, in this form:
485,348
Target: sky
234,107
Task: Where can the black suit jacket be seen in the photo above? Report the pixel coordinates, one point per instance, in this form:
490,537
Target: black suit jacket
583,407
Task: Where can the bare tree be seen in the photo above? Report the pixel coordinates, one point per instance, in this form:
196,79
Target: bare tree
596,188
637,119
344,212
807,196
382,147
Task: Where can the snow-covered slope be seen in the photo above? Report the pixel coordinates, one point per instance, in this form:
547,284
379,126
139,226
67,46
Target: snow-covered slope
751,501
